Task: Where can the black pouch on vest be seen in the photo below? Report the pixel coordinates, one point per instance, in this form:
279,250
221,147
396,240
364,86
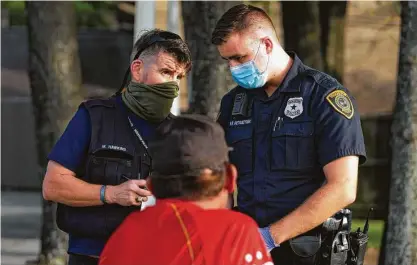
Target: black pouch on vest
306,249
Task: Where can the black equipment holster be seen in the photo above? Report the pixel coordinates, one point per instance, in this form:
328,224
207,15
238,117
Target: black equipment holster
340,245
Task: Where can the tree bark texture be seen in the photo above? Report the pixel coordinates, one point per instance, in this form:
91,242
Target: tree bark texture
210,75
401,233
301,23
332,24
55,77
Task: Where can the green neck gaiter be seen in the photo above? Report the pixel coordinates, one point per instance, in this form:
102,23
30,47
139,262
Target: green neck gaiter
150,102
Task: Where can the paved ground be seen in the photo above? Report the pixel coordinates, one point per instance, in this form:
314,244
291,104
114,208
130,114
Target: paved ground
20,226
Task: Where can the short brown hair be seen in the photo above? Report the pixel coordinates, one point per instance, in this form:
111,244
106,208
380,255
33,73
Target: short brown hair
189,186
237,19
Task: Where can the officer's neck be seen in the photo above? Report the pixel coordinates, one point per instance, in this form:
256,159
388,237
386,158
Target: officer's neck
279,70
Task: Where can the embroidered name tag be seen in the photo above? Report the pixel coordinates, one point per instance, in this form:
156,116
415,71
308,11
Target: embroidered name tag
241,122
113,147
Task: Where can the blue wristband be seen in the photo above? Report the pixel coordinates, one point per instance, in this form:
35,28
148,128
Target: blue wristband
102,194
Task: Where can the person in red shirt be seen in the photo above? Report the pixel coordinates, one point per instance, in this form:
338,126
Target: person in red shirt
190,222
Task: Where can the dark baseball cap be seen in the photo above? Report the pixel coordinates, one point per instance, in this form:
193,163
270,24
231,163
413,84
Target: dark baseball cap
186,144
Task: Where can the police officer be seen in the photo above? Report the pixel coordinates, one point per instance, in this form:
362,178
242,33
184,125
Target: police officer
96,170
296,136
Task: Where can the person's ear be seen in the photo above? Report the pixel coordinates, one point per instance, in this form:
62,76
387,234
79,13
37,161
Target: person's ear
269,45
231,175
136,70
149,184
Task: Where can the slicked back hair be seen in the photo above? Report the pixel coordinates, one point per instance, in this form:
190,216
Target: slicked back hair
154,41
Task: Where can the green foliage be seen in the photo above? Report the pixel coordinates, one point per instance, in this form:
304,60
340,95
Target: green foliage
265,5
397,7
375,232
94,14
16,10
91,14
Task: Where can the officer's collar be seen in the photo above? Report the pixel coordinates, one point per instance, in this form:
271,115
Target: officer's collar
288,85
290,82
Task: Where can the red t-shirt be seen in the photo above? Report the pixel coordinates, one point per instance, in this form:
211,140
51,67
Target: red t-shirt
175,232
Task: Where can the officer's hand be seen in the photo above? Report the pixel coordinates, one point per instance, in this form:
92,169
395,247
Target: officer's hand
131,192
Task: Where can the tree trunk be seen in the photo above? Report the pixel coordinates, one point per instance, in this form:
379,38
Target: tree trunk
210,76
301,23
332,23
55,77
401,237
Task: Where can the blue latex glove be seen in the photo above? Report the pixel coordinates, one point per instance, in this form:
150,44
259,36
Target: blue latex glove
266,235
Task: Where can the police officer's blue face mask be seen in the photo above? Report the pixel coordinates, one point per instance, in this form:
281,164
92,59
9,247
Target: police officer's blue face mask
247,75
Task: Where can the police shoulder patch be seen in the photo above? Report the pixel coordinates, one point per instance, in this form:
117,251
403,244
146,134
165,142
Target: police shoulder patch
341,102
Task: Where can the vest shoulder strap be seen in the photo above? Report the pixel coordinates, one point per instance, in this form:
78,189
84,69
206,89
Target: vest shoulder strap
100,102
104,113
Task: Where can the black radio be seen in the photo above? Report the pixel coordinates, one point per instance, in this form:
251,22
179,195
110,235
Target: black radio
341,246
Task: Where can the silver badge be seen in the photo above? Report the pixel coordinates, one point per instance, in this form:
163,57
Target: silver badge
294,107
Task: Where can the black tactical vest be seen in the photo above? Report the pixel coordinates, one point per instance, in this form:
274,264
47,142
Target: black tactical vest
115,155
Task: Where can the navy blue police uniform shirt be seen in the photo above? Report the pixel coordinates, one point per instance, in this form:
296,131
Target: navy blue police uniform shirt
72,148
280,149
